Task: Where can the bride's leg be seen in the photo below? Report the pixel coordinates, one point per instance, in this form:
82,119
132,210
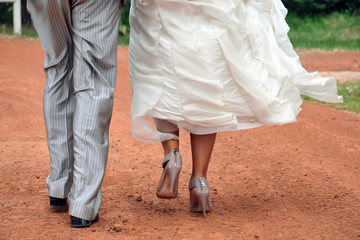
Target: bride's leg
201,147
172,162
170,145
167,127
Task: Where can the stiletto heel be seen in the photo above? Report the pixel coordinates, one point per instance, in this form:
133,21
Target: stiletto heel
201,203
173,173
169,180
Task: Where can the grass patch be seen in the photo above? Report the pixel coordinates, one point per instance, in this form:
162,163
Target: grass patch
29,32
123,40
329,32
351,94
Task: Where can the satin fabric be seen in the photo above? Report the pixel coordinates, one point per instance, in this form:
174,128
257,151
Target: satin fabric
216,65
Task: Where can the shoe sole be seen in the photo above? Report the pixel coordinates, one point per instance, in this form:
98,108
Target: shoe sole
166,195
85,225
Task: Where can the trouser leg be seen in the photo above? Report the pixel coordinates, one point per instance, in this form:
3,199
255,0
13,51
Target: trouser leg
52,20
95,33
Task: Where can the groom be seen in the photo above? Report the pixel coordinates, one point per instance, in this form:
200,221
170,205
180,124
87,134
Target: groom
79,39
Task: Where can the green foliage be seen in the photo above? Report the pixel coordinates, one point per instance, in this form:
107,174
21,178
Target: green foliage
125,13
334,31
351,95
315,7
124,29
6,10
6,14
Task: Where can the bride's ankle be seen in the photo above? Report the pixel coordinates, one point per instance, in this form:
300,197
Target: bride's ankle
198,175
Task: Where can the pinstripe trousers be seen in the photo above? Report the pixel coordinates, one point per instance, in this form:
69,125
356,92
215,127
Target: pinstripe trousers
79,39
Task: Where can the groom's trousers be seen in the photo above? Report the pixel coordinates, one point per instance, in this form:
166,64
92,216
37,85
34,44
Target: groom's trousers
79,39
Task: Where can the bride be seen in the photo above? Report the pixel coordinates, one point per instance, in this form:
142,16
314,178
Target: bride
209,66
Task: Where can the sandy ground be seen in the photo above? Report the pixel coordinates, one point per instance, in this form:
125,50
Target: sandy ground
298,181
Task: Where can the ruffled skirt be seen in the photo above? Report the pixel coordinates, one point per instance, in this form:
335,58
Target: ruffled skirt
215,65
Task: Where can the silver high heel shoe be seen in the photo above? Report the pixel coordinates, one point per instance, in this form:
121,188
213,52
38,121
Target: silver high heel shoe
201,203
169,180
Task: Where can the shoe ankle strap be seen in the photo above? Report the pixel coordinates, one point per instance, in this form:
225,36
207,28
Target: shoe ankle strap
168,157
203,182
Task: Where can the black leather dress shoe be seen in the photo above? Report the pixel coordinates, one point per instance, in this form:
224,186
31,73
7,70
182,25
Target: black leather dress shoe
57,202
82,223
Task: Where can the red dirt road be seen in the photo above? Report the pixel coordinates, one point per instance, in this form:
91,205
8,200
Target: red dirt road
298,181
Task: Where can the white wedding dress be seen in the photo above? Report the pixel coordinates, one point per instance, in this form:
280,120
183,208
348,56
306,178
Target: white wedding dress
215,65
